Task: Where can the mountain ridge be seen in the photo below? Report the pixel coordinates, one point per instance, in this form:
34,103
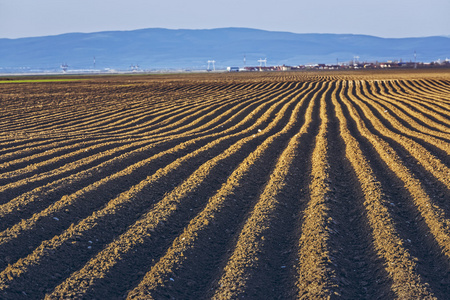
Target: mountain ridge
159,48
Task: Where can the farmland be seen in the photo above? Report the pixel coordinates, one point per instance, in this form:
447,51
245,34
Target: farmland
222,186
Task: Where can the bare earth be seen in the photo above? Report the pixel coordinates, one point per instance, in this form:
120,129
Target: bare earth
258,185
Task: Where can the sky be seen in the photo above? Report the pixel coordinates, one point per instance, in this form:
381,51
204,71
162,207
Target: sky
382,18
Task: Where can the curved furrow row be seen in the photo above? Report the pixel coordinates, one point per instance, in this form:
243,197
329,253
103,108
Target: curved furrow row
357,269
192,120
73,154
438,86
82,121
117,119
156,120
28,161
145,118
433,88
39,174
400,265
249,242
433,91
10,144
264,185
410,95
395,123
46,117
172,118
432,214
206,166
316,276
27,151
430,262
265,110
405,116
252,128
429,162
181,120
27,147
187,186
73,119
428,108
414,108
219,200
435,100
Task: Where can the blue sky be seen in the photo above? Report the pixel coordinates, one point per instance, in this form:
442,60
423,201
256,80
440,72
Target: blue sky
383,18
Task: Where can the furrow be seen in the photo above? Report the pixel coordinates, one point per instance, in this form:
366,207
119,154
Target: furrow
413,104
161,211
432,214
421,87
358,270
432,166
261,185
62,169
433,113
409,118
316,277
399,264
42,193
437,86
150,222
435,101
223,138
183,246
419,242
424,157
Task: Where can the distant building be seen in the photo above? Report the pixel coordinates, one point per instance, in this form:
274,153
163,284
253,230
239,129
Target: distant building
233,69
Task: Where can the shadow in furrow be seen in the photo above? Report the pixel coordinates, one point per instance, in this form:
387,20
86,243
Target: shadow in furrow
359,272
432,266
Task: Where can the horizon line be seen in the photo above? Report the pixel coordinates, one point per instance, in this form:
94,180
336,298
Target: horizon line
218,28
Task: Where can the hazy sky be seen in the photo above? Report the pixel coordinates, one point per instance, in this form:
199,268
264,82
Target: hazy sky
384,18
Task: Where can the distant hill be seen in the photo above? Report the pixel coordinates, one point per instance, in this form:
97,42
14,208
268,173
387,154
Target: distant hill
158,48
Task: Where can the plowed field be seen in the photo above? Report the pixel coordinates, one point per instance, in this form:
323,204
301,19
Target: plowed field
225,186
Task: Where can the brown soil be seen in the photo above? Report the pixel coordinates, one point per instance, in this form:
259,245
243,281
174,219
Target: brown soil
279,185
